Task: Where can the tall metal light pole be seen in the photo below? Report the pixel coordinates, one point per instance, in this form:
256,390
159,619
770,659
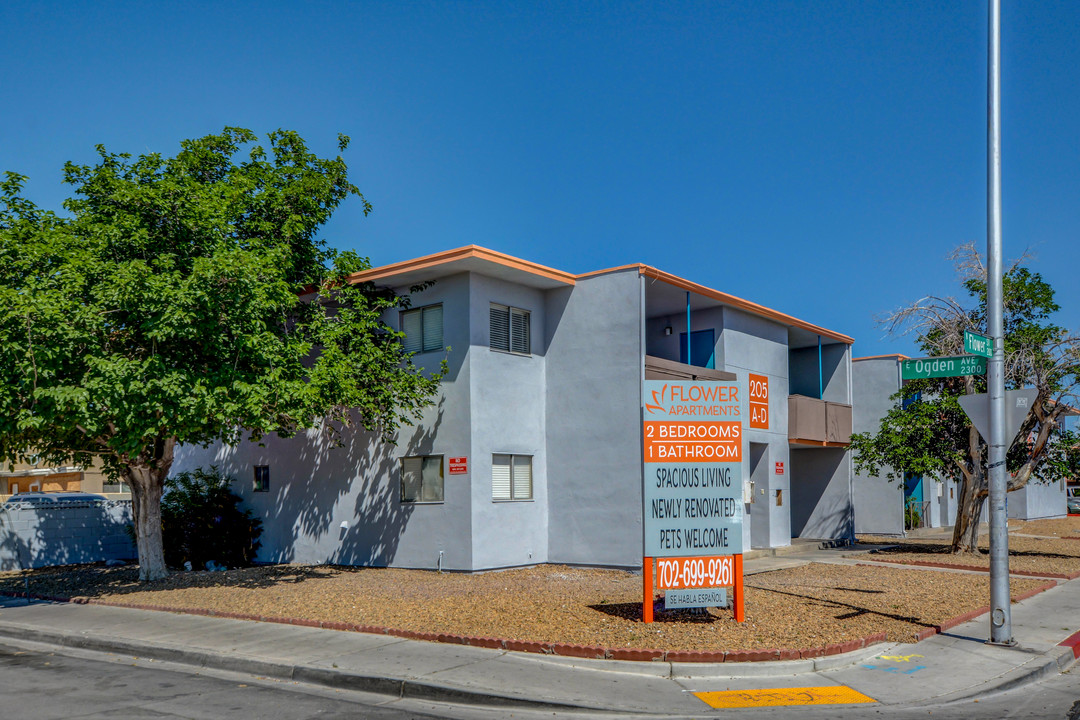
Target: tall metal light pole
1000,611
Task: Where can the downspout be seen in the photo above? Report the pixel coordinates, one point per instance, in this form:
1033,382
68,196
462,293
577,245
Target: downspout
820,372
850,460
689,359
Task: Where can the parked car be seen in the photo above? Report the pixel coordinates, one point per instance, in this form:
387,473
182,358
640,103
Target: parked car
1072,503
43,499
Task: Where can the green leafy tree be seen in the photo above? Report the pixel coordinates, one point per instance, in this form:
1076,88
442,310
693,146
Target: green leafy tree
189,299
927,432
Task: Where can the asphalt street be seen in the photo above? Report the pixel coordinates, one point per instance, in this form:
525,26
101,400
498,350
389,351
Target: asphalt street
38,682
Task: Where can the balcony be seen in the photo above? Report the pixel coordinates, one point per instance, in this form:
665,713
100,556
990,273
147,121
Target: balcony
817,422
657,368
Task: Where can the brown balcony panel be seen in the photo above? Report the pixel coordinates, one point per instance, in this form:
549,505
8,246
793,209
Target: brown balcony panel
838,423
806,420
657,368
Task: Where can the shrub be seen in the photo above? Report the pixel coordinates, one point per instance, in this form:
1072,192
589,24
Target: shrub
201,521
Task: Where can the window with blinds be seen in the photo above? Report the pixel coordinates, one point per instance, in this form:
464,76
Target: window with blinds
510,329
422,479
423,328
511,477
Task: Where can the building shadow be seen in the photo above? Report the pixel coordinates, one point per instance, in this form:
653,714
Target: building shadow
327,502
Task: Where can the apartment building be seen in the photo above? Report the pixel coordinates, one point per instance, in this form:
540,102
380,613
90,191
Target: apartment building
532,451
37,476
913,501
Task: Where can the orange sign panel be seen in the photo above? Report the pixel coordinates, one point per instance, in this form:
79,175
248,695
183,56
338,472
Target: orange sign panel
759,401
707,441
689,573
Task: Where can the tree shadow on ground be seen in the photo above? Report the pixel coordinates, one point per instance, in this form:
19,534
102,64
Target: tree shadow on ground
97,580
851,609
633,611
945,550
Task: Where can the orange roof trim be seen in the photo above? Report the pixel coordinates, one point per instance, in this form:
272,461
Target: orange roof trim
481,253
898,356
462,253
738,302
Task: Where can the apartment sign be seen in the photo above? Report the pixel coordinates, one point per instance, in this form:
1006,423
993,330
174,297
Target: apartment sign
692,451
459,465
759,401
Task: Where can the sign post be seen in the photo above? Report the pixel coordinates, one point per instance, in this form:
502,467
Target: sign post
692,438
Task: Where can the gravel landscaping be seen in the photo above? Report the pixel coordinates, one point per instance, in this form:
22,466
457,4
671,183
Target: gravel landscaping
1038,546
803,607
1058,527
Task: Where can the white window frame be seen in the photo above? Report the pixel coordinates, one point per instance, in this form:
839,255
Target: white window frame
420,499
426,344
512,484
515,340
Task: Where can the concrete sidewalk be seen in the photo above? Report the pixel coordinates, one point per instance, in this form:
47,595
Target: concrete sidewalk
954,666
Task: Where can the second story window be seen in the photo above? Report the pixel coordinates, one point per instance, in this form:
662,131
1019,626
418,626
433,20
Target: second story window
510,329
423,329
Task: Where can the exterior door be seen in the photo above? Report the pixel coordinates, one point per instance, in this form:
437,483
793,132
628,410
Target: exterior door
760,507
702,348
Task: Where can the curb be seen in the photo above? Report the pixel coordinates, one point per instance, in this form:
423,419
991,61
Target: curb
401,688
543,648
1051,663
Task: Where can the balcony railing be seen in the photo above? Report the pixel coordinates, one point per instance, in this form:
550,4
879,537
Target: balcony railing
817,422
657,368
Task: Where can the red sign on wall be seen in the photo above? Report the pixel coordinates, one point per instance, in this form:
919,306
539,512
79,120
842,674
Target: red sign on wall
779,468
759,401
459,465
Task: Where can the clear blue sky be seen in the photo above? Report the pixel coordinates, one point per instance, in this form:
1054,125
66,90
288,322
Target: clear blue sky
821,158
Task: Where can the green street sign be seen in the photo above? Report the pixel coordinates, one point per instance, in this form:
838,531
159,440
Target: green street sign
977,344
937,367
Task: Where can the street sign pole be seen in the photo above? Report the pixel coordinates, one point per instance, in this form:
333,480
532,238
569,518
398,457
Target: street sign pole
1000,611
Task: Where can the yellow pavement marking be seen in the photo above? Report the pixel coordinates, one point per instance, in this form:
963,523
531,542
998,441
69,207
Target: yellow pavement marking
898,658
834,695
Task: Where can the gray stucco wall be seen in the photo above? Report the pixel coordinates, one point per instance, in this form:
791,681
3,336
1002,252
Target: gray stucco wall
32,537
315,487
753,344
804,376
508,416
594,373
879,503
820,502
1037,500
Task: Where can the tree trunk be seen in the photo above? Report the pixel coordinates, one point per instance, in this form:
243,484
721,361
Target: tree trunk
968,513
975,514
147,481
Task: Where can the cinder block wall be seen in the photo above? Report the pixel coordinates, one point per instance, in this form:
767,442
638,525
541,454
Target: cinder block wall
33,537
